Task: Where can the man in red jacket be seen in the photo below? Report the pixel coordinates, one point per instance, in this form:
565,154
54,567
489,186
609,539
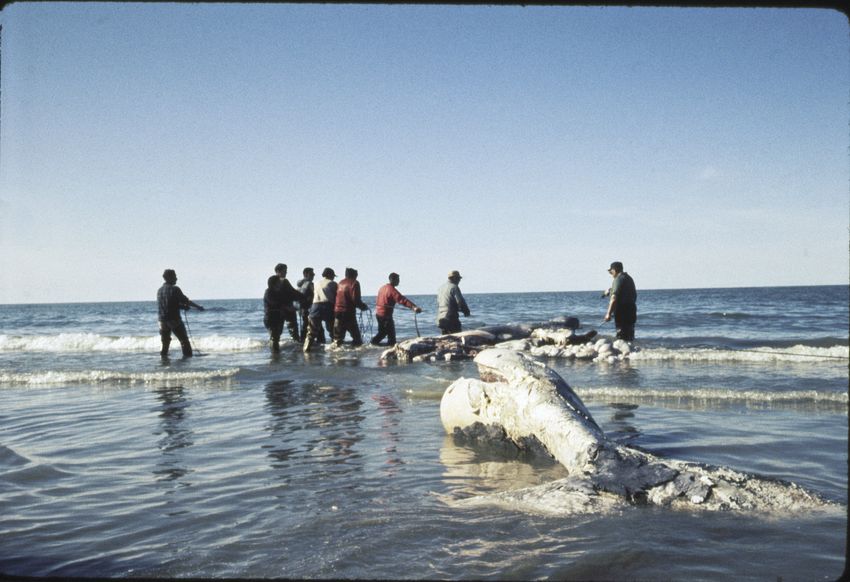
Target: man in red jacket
388,296
347,299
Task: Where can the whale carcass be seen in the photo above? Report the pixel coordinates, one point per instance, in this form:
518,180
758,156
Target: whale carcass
527,403
552,337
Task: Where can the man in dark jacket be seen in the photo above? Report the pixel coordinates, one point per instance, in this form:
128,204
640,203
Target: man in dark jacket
305,286
623,302
273,311
288,295
171,300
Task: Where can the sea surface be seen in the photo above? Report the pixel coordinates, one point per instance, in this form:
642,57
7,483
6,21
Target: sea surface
243,464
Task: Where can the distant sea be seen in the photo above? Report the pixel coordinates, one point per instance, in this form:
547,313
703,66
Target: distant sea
244,464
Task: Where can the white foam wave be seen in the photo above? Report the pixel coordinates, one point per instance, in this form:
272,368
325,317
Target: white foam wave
798,354
89,342
716,394
111,376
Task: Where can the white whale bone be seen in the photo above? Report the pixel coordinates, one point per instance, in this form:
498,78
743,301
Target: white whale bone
527,400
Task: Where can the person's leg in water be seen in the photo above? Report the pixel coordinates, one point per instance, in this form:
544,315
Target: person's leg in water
449,325
625,318
338,329
386,329
354,329
382,331
274,335
328,319
314,333
292,324
305,322
165,338
180,331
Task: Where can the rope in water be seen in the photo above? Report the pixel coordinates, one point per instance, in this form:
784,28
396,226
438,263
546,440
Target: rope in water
189,333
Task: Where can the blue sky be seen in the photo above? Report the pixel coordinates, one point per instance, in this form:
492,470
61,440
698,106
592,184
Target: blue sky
526,147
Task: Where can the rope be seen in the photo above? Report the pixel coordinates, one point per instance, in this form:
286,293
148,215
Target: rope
416,323
189,333
365,327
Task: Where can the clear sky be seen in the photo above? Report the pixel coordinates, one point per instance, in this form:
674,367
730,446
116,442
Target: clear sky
526,147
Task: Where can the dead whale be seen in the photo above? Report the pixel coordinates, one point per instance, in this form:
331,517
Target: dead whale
560,332
524,401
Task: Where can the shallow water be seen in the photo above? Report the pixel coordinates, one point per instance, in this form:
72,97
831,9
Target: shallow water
240,464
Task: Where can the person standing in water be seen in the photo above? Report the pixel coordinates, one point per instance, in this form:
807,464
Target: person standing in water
623,302
273,312
321,315
171,300
388,296
450,302
305,287
348,299
288,294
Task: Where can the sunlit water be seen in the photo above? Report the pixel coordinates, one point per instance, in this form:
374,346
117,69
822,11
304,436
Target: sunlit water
331,465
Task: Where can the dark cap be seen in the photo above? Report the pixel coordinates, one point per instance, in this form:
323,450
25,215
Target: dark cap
616,266
328,273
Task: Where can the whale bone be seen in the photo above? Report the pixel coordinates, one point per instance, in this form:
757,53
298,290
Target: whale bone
524,400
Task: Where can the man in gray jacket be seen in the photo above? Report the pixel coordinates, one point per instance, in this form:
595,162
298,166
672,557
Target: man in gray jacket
449,302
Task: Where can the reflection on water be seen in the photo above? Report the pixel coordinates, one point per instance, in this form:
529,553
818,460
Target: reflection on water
390,425
175,434
622,427
479,469
312,423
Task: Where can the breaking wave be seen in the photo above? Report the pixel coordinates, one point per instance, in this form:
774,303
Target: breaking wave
111,376
792,397
797,353
90,342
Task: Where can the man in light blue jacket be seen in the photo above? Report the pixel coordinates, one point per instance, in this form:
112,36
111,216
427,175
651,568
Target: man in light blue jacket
450,301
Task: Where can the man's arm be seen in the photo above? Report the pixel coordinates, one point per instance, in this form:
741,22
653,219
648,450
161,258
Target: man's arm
407,302
358,300
461,302
611,306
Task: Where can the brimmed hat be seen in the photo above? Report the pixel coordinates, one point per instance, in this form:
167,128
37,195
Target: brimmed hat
616,266
328,273
454,274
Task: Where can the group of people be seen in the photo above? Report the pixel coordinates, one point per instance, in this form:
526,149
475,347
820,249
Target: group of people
328,305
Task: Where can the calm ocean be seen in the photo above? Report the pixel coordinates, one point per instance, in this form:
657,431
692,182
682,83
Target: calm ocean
333,465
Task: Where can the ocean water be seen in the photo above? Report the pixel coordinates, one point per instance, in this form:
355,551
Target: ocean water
242,464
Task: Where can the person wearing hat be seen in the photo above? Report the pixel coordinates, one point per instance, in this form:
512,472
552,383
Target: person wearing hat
450,302
288,294
321,310
171,300
305,287
623,302
388,297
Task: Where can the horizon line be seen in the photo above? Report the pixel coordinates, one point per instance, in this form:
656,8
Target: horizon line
434,294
